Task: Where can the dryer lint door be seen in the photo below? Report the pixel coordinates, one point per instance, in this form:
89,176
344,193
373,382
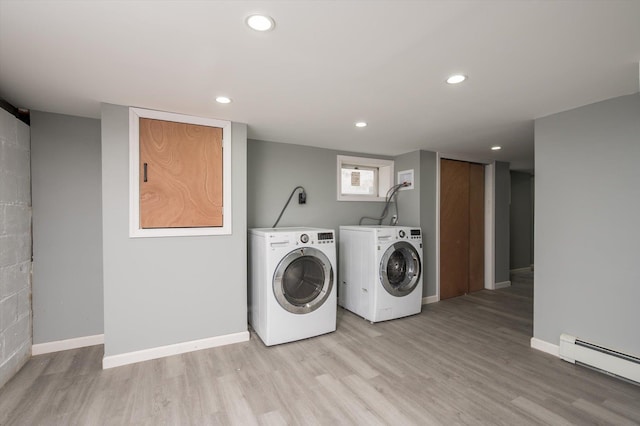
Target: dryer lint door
400,269
303,280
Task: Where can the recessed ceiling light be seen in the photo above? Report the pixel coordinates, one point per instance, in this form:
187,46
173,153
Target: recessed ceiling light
361,124
456,78
260,22
223,100
496,148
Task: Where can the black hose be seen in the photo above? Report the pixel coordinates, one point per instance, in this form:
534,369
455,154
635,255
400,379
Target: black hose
288,201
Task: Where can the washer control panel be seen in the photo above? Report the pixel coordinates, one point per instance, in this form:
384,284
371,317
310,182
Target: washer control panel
410,234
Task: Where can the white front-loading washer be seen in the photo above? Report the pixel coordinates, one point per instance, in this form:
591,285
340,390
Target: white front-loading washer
380,271
292,291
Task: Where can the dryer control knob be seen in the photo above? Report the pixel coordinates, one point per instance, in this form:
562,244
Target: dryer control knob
402,234
304,238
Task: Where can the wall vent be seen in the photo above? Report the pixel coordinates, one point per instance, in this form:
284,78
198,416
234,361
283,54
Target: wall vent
574,350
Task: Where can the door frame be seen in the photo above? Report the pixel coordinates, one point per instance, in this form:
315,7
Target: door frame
489,218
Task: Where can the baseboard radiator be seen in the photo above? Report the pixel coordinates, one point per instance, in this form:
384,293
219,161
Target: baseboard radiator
574,350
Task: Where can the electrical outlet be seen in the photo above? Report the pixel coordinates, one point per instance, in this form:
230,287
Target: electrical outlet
302,198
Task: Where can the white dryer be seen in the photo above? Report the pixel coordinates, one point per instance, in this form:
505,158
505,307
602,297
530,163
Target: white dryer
380,271
292,295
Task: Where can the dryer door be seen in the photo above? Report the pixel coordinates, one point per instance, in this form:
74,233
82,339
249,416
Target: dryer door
303,280
400,269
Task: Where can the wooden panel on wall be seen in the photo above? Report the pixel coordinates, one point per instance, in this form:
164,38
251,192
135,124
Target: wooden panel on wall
454,228
182,164
476,227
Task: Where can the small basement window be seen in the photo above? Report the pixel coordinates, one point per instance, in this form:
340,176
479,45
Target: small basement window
363,179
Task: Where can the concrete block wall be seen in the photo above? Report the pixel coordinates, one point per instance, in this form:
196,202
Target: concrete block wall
15,246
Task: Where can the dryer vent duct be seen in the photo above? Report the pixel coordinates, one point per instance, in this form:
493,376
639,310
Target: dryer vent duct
574,350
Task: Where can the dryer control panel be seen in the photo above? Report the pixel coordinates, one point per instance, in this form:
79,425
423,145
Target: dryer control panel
315,238
325,238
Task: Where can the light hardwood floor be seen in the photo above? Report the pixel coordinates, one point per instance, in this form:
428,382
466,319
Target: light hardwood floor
461,361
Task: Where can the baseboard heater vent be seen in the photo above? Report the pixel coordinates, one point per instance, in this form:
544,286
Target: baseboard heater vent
574,350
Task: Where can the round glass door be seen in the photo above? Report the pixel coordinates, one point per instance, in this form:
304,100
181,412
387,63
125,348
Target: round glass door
303,280
400,269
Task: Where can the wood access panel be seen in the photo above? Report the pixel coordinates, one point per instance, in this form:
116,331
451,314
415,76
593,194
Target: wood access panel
180,175
476,227
454,228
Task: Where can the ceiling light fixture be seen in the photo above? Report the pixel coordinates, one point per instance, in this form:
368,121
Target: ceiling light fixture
223,100
260,22
456,78
496,148
361,124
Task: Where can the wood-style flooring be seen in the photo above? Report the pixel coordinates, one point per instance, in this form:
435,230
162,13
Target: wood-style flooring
465,360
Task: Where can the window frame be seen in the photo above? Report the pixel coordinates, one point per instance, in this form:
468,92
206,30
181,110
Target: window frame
135,230
384,177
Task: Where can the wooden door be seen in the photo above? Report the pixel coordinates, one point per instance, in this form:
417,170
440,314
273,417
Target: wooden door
180,175
454,228
461,228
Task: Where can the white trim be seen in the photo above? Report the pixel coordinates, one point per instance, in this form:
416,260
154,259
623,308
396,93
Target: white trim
546,347
134,172
175,349
489,226
438,225
430,299
63,345
385,176
503,284
525,269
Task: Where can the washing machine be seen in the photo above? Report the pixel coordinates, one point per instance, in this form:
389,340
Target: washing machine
292,275
380,271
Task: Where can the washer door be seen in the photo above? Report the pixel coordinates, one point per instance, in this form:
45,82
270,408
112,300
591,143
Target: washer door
400,269
303,280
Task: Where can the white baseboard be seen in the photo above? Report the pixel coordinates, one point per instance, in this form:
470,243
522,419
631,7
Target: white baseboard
430,299
503,284
63,345
525,269
546,347
176,349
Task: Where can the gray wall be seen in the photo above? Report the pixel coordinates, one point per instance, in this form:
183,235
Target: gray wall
67,227
502,195
428,210
408,199
521,220
162,291
418,208
587,205
274,169
15,246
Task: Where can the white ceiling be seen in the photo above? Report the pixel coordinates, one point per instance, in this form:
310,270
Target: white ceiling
328,64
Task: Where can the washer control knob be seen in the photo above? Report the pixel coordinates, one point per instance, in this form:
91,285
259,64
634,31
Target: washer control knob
402,233
304,238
